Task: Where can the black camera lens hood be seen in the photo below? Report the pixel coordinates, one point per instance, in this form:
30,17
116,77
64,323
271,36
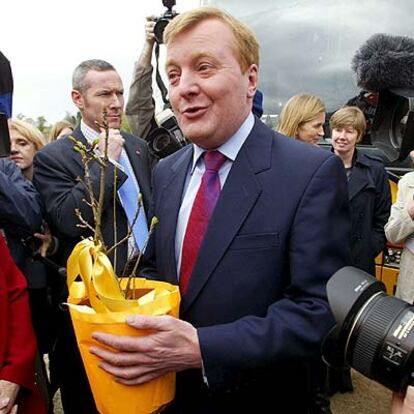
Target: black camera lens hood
347,290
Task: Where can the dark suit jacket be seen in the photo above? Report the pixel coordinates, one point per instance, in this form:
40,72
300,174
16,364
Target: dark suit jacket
57,167
257,295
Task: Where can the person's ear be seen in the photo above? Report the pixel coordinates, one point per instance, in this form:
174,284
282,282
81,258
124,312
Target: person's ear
253,76
77,99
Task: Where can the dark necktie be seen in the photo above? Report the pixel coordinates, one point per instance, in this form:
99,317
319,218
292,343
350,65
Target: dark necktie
202,209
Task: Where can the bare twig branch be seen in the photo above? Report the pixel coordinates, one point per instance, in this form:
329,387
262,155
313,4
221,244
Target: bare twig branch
98,237
131,276
84,223
129,233
114,216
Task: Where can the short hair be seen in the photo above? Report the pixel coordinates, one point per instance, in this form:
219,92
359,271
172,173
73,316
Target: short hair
246,43
28,131
58,127
298,110
349,116
80,72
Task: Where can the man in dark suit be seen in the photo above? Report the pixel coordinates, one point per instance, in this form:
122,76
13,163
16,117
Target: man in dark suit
57,168
254,306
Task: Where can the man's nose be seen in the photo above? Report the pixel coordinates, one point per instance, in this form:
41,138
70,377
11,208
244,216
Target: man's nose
188,84
117,101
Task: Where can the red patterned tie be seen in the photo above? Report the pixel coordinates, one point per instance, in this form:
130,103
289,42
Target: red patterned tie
202,209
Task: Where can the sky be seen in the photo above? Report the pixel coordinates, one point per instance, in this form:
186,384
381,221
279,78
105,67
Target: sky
306,46
46,39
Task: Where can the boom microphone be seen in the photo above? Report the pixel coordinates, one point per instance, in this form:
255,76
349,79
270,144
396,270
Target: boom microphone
385,62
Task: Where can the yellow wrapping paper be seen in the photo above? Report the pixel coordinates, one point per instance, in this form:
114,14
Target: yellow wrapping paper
97,304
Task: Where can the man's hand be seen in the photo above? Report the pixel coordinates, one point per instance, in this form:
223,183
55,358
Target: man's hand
115,143
8,394
149,30
172,345
403,404
46,239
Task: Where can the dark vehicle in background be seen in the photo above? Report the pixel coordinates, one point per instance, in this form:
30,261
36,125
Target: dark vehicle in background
307,47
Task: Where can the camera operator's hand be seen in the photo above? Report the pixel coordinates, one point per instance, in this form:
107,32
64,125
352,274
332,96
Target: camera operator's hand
149,30
403,403
145,57
115,143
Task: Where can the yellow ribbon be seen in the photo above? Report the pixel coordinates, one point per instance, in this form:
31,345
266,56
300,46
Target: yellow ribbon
103,290
98,283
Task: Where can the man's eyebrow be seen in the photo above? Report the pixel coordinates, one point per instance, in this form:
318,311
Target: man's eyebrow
193,56
170,62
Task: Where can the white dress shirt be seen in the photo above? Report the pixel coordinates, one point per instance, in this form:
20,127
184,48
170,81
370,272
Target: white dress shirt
193,180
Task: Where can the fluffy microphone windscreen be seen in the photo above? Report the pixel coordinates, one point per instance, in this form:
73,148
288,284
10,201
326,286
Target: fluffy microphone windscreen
385,62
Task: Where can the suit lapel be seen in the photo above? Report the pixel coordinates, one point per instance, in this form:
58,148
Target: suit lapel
77,134
237,198
169,207
133,153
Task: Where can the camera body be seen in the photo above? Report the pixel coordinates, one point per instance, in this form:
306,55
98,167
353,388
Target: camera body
374,333
162,21
167,138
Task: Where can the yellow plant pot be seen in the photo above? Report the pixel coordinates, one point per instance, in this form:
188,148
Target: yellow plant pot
95,305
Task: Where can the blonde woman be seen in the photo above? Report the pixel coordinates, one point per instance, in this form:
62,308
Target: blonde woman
25,141
60,129
302,118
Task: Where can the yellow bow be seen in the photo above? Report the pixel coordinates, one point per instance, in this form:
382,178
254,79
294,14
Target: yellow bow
98,281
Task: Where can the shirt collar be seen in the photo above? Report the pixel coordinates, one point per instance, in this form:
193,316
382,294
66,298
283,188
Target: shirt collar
232,146
89,133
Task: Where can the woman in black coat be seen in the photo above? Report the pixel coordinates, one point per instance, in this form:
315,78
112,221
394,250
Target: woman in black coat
368,187
370,203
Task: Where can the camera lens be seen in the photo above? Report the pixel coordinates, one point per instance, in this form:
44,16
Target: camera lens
162,142
374,332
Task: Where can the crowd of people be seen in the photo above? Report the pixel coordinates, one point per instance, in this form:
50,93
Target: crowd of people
252,224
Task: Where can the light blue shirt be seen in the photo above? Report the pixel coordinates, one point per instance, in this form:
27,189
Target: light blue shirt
91,135
230,149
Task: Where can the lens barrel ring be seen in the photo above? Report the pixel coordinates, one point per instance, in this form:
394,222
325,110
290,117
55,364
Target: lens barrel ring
369,332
